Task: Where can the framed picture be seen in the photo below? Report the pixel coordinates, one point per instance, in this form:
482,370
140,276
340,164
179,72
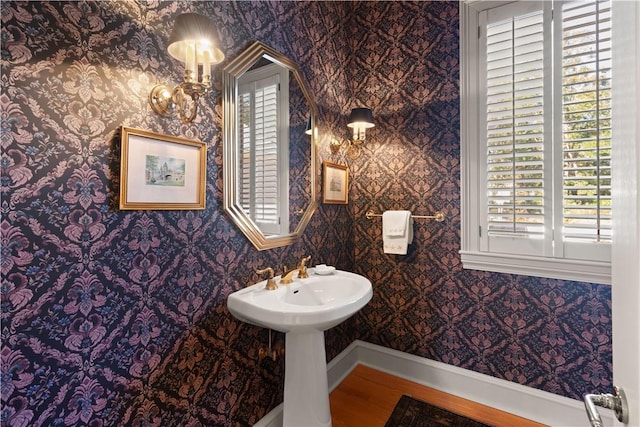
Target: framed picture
335,183
161,172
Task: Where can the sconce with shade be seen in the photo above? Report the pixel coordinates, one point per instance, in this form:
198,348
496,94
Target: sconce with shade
307,130
360,120
194,42
311,128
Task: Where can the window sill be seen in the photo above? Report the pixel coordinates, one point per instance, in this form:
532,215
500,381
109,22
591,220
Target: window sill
565,269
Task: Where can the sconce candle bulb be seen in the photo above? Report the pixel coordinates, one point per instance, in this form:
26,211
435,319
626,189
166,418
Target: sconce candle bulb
206,67
192,41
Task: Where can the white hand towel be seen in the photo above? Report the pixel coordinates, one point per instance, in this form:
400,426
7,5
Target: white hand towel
397,231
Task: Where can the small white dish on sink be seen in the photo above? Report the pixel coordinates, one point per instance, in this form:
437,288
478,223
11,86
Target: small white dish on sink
323,270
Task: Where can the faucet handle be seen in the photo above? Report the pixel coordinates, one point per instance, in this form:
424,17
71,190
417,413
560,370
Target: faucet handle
271,282
304,261
302,274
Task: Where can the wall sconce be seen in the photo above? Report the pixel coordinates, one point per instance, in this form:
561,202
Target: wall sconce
194,42
360,120
307,130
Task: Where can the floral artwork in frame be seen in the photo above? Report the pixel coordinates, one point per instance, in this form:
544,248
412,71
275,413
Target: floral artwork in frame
161,172
335,183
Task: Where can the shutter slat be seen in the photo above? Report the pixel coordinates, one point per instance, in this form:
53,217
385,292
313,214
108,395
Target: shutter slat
586,87
515,90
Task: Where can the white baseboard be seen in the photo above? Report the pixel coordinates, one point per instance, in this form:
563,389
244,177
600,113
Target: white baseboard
536,405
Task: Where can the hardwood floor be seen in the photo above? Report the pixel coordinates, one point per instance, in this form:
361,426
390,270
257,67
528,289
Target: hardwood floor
366,398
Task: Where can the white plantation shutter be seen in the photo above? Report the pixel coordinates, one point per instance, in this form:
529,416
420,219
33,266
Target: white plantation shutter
515,126
586,121
537,138
266,151
517,129
259,132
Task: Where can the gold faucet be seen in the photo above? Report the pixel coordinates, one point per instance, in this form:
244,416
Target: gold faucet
287,276
301,269
271,282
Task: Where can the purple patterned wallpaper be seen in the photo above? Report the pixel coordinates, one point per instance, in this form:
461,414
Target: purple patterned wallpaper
119,318
552,335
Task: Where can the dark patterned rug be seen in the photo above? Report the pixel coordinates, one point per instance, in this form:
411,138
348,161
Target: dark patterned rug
410,412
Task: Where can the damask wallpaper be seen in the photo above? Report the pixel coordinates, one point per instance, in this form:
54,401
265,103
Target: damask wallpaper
552,335
119,318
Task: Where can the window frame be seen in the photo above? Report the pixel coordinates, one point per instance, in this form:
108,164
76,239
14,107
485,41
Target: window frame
474,253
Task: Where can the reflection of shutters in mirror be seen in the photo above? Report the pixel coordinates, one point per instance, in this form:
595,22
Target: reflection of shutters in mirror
258,135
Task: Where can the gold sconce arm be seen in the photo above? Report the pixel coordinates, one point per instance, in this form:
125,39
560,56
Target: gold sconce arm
353,147
183,98
187,103
354,150
335,145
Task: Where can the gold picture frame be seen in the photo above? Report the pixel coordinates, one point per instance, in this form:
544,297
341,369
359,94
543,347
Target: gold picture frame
161,172
335,183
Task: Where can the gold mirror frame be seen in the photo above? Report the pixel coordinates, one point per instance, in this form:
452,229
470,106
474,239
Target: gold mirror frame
230,76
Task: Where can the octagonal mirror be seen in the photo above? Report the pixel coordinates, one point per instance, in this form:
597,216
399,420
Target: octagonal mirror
269,148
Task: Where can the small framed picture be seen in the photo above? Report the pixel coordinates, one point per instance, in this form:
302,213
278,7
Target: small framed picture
335,183
161,172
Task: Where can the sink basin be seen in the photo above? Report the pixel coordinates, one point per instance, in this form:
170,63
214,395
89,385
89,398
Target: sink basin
318,302
304,310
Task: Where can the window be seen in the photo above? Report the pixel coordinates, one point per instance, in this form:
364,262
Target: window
536,138
264,148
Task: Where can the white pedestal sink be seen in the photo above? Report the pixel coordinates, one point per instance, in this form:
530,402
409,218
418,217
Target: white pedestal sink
304,310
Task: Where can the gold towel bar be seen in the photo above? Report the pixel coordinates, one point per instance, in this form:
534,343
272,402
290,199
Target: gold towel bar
439,216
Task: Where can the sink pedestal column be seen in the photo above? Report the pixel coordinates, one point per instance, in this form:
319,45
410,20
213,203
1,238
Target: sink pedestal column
306,390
